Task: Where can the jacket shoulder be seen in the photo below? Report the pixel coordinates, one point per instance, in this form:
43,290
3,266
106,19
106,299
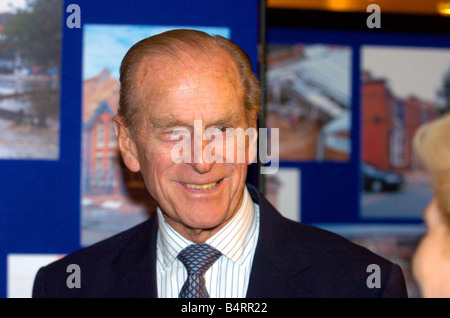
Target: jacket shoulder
331,264
95,263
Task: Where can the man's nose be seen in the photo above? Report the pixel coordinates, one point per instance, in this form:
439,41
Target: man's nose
201,160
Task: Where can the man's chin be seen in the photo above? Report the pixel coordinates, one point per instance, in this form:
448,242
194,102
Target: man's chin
197,220
203,221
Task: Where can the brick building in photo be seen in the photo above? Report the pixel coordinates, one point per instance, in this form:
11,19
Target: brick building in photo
389,123
100,102
103,171
100,152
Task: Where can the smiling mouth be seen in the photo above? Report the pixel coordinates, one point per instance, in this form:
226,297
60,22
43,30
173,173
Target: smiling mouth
208,186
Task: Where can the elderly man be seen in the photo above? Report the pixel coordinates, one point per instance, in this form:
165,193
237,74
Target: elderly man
212,235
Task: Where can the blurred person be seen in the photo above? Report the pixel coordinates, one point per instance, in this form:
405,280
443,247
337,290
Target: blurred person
431,260
212,235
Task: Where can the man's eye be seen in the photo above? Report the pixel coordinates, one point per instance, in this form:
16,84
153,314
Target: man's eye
218,130
176,132
215,132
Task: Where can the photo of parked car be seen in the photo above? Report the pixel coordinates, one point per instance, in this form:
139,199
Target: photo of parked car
378,180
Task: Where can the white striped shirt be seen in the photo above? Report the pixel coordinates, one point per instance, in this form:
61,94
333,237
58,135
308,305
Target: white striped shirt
228,277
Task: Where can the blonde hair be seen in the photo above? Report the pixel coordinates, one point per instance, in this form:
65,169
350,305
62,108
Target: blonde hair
432,145
177,43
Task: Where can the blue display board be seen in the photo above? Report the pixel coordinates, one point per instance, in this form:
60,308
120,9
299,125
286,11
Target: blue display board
40,210
309,56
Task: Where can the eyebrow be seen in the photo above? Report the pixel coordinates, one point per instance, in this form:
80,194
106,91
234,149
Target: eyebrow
169,121
230,119
165,122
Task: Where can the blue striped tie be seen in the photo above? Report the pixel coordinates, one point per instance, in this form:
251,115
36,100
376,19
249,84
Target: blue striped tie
197,258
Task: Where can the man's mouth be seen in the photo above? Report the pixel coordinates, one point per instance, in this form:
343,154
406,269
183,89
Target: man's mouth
207,186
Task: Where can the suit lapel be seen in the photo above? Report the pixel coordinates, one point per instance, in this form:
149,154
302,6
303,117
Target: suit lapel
279,263
136,264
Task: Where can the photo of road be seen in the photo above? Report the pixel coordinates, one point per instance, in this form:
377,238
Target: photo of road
407,203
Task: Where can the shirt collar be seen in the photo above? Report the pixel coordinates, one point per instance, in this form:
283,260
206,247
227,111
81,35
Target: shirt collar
230,240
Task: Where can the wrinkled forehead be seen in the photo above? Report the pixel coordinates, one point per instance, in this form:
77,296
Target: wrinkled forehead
158,73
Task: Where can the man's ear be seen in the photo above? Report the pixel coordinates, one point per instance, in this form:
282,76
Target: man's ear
127,146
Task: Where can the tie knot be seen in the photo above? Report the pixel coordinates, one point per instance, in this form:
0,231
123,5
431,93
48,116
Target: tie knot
197,258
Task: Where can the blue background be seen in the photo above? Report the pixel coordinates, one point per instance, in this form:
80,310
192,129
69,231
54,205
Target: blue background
40,200
330,191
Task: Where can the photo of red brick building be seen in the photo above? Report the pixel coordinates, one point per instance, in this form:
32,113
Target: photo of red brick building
389,123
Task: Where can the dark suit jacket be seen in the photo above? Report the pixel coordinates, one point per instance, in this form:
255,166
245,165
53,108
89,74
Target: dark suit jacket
291,260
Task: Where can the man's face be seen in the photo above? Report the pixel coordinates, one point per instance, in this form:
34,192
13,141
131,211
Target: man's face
196,198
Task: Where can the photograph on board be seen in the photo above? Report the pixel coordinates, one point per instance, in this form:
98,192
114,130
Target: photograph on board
21,272
309,90
30,79
401,89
